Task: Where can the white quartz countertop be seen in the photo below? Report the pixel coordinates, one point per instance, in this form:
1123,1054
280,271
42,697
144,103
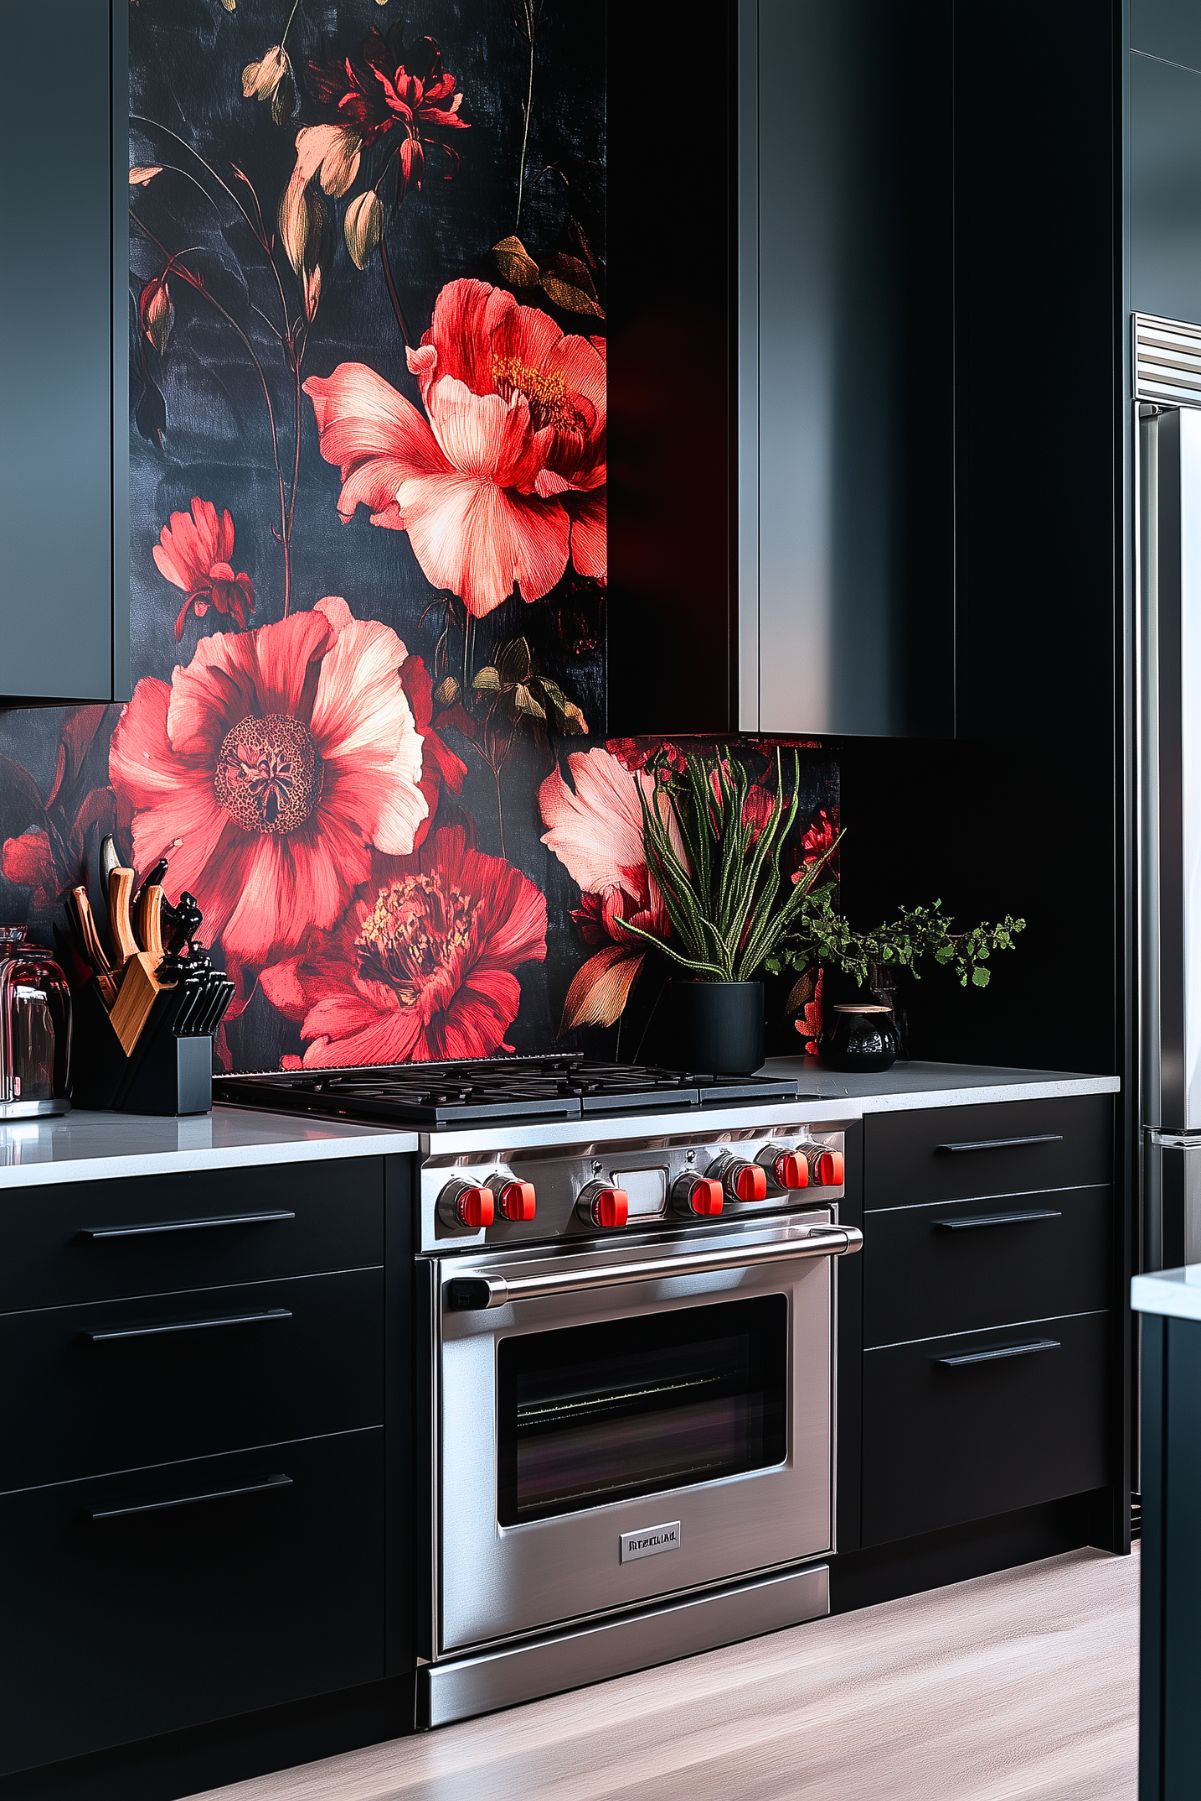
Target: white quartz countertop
103,1146
82,1146
911,1085
1174,1293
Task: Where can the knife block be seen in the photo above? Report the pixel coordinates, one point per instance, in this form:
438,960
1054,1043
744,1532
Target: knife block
165,1075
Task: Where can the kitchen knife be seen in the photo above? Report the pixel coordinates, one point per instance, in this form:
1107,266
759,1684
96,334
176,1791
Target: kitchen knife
120,924
148,919
153,880
88,938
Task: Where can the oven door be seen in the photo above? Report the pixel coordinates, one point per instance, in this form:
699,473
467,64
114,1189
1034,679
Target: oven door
630,1422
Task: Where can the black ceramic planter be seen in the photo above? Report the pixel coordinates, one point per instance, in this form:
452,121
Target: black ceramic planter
859,1038
714,1027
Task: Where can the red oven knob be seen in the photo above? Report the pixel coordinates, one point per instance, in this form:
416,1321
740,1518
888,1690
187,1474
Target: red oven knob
604,1206
788,1169
744,1181
516,1200
828,1168
699,1195
465,1204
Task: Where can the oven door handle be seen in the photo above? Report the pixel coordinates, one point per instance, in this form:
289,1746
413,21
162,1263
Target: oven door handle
476,1292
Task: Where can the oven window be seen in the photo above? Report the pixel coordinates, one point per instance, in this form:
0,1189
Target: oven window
596,1414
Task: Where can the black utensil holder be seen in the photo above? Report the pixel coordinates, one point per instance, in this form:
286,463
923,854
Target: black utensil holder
165,1075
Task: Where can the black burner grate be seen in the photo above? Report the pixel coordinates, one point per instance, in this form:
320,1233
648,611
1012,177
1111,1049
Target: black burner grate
526,1088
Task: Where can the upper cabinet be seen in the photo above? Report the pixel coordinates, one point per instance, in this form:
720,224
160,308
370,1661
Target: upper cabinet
845,369
782,370
1165,177
1168,29
64,311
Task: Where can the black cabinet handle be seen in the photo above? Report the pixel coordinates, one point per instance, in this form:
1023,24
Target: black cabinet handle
155,1227
1002,1144
966,1222
271,1484
114,1334
963,1358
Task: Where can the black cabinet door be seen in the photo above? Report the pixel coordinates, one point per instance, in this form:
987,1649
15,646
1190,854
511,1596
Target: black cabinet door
129,1383
959,1266
1165,189
164,1598
96,1241
63,352
1168,29
981,1423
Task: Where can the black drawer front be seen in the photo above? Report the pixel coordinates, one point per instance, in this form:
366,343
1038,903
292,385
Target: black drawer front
93,1241
960,1266
123,1383
142,1603
956,1429
953,1153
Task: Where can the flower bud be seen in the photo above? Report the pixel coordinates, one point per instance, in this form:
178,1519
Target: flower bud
260,80
363,227
156,312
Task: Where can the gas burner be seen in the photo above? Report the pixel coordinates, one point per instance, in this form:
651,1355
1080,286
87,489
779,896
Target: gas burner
517,1089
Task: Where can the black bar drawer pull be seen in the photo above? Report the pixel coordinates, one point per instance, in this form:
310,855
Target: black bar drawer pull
1008,1350
967,1221
156,1227
115,1334
213,1494
1002,1144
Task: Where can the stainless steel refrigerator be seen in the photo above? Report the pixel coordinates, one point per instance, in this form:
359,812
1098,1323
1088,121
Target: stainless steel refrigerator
1167,360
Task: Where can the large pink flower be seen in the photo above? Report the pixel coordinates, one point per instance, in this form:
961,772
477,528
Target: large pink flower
503,478
268,769
194,552
595,830
423,965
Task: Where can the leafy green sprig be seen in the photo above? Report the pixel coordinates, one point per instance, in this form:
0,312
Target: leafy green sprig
821,936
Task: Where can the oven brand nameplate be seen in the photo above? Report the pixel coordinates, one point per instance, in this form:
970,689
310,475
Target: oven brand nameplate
650,1541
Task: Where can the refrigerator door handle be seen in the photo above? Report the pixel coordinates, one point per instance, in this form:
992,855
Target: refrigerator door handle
1169,852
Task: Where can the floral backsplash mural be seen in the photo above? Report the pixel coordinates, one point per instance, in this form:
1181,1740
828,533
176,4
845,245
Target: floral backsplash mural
368,537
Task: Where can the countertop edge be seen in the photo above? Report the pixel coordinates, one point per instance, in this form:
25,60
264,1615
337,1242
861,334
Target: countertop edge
1166,1294
374,1142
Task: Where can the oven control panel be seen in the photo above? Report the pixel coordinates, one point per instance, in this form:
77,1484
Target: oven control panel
546,1193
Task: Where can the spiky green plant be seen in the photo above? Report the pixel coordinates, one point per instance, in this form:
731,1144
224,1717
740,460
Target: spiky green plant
725,891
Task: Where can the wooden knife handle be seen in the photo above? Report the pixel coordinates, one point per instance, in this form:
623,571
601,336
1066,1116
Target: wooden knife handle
120,924
87,933
149,921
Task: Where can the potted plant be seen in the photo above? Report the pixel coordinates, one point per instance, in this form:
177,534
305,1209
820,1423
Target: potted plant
821,938
715,845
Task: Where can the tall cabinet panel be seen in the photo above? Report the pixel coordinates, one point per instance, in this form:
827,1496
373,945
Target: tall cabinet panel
64,308
845,310
1165,187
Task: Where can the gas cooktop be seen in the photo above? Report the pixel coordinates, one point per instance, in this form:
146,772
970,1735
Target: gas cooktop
516,1089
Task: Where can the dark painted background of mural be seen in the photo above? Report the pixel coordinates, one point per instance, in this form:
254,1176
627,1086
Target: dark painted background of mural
364,826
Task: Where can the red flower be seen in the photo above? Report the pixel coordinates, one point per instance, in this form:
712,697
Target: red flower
503,478
393,87
422,966
595,830
194,552
817,842
269,768
28,862
810,1018
636,753
440,767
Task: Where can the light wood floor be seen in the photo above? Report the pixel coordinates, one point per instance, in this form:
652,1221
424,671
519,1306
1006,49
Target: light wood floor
1022,1684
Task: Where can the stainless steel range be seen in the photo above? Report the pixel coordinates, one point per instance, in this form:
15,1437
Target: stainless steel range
628,1323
